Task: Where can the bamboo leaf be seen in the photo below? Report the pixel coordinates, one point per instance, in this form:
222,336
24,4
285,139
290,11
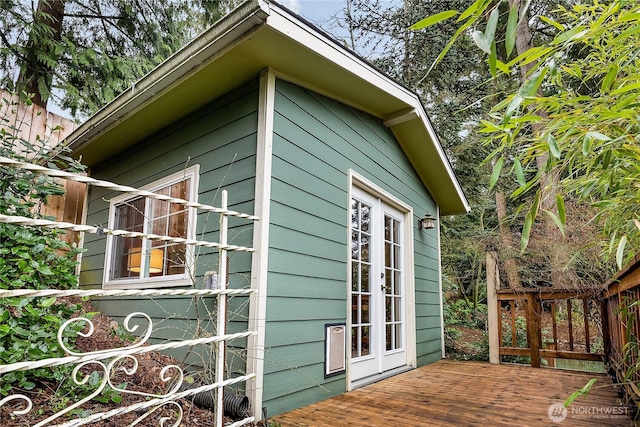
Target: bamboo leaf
497,168
556,220
512,24
481,41
609,79
453,39
536,204
513,107
550,21
433,19
573,33
584,391
475,7
562,213
519,173
620,251
531,86
502,67
597,135
526,231
493,59
492,23
586,145
553,147
627,88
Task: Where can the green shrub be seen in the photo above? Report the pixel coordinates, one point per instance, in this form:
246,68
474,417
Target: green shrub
31,258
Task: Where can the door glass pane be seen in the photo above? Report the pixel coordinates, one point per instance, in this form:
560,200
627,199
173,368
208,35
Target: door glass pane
355,318
388,338
365,217
364,309
393,285
364,247
365,350
361,316
387,228
398,336
354,342
355,279
365,279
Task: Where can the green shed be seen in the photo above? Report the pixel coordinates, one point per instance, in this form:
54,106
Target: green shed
339,162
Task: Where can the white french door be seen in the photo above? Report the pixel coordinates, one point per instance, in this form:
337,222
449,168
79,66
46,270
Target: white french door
378,327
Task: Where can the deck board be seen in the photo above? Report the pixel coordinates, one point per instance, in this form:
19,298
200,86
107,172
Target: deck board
448,393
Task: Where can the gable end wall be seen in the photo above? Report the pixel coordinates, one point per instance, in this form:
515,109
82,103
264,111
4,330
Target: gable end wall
316,141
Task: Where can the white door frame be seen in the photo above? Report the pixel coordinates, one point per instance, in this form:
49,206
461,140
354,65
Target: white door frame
360,182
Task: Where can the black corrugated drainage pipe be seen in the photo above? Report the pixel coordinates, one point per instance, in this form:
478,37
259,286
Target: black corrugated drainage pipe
235,405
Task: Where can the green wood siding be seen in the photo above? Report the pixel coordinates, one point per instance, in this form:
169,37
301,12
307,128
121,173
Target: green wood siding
316,142
221,138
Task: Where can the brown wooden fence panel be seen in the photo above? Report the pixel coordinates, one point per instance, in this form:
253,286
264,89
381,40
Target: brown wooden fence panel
32,122
621,308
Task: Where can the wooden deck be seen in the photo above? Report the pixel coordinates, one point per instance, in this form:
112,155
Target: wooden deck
449,393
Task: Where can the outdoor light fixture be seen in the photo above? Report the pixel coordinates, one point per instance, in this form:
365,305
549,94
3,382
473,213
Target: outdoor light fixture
155,260
427,223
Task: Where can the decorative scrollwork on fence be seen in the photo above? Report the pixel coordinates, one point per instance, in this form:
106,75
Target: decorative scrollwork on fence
22,397
126,324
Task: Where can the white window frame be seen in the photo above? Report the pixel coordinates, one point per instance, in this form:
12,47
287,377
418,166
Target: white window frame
186,279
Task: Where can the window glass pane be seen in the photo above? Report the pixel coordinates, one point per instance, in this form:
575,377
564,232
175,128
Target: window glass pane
142,258
126,257
127,252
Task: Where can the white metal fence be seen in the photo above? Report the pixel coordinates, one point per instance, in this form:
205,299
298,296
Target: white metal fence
109,359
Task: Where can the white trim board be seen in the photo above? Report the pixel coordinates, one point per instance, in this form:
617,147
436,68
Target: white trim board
259,263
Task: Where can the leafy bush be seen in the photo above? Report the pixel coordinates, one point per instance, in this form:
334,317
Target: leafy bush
458,315
31,258
462,313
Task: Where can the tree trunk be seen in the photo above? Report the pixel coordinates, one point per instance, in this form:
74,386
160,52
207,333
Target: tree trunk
508,246
559,257
36,76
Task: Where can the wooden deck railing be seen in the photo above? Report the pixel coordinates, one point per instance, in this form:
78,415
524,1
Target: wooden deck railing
557,325
621,314
540,326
